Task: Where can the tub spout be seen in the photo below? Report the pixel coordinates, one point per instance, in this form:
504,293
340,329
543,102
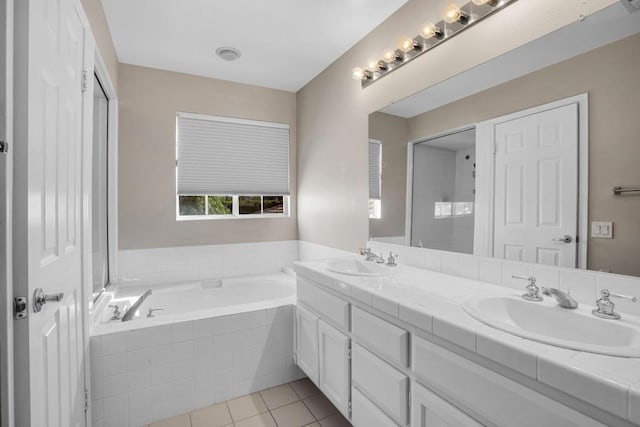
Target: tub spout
136,305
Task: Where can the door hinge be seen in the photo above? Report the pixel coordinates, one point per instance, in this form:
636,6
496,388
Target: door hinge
4,147
86,400
85,81
349,408
20,310
349,353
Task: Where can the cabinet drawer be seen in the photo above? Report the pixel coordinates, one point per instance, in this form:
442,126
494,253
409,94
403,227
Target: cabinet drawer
384,385
388,340
430,410
365,413
328,306
488,394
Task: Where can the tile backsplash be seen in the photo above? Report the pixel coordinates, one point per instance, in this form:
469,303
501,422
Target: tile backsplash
585,286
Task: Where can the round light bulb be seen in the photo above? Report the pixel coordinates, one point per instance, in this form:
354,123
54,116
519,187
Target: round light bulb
389,56
373,65
406,44
428,30
357,73
452,13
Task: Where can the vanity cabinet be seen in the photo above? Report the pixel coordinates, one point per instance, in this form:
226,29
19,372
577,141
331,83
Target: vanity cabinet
384,373
333,358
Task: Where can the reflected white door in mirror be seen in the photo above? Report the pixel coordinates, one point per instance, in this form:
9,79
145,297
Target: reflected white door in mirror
536,158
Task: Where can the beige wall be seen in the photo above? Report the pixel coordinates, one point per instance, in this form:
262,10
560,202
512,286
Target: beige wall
333,110
104,42
392,131
149,100
609,74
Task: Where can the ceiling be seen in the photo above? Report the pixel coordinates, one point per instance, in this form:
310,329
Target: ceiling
284,43
604,27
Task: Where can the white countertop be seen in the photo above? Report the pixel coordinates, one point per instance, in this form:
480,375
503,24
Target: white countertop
432,302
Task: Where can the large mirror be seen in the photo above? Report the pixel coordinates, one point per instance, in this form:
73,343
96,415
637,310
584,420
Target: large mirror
533,156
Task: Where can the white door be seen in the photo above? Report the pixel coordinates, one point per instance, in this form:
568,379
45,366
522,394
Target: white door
48,213
307,342
333,359
430,410
536,188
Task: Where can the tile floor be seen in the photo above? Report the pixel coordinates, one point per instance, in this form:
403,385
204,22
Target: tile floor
295,404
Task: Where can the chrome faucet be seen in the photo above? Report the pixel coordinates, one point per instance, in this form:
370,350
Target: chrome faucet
564,299
606,306
391,261
533,291
370,256
128,315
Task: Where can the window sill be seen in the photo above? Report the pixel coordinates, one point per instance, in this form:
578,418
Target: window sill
232,217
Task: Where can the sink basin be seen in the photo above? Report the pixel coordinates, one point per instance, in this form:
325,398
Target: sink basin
548,323
356,267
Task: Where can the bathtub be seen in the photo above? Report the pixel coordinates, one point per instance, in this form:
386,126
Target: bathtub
212,341
179,302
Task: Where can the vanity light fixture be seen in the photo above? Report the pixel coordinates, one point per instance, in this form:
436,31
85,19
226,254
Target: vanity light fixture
430,31
453,13
455,20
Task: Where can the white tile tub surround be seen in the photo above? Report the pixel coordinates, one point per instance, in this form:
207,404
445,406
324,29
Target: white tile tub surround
184,263
585,285
155,373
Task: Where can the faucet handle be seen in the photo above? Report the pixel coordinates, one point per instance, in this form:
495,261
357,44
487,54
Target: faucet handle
533,291
117,315
364,251
627,297
606,307
151,310
391,261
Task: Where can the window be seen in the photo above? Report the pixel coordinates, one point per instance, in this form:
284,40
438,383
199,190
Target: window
231,168
375,179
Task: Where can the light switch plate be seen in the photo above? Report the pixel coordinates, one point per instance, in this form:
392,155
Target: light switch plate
601,229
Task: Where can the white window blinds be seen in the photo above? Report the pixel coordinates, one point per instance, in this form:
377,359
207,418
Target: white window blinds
220,155
375,168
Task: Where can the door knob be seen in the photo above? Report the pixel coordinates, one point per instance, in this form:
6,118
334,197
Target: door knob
40,299
564,239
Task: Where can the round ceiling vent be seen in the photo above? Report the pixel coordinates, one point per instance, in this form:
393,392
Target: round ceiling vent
228,53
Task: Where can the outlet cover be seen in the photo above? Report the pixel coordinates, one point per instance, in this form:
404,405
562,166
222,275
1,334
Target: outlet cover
602,230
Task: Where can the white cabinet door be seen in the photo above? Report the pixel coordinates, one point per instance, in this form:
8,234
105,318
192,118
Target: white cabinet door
334,366
307,342
430,410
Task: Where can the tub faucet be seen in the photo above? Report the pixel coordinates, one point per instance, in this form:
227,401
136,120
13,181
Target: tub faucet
564,299
128,315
